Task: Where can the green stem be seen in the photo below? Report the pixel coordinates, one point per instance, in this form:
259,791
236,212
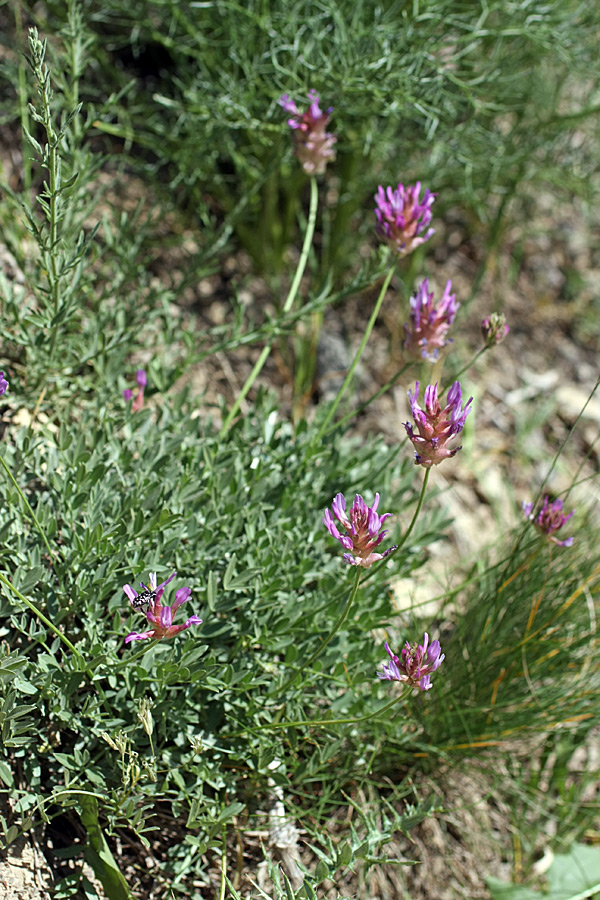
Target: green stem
223,863
28,507
336,402
417,510
376,396
130,659
308,238
40,615
62,637
468,365
23,97
350,720
329,637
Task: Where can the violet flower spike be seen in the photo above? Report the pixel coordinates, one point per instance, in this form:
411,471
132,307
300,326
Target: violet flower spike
3,384
549,520
494,329
436,426
429,323
314,145
363,529
402,218
160,617
138,402
415,666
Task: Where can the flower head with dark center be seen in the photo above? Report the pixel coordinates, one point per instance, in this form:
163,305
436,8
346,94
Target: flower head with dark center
494,329
402,218
363,529
549,520
429,323
160,617
314,145
138,402
436,426
415,665
3,384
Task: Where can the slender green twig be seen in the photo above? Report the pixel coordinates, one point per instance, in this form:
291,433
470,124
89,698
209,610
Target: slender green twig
349,720
417,510
40,615
337,400
27,507
375,396
329,638
223,863
526,523
129,659
294,287
456,375
62,637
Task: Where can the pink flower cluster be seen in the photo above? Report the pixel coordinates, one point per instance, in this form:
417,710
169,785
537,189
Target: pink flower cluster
429,323
363,530
436,426
402,218
138,400
415,665
314,144
549,520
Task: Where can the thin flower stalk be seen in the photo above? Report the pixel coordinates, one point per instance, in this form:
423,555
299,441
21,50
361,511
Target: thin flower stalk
338,398
308,237
27,506
339,623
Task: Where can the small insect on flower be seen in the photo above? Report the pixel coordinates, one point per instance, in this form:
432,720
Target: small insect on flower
142,602
149,601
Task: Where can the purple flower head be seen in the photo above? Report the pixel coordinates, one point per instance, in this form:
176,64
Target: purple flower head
314,145
138,402
494,329
436,426
426,332
549,520
402,218
363,530
149,601
415,665
3,384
